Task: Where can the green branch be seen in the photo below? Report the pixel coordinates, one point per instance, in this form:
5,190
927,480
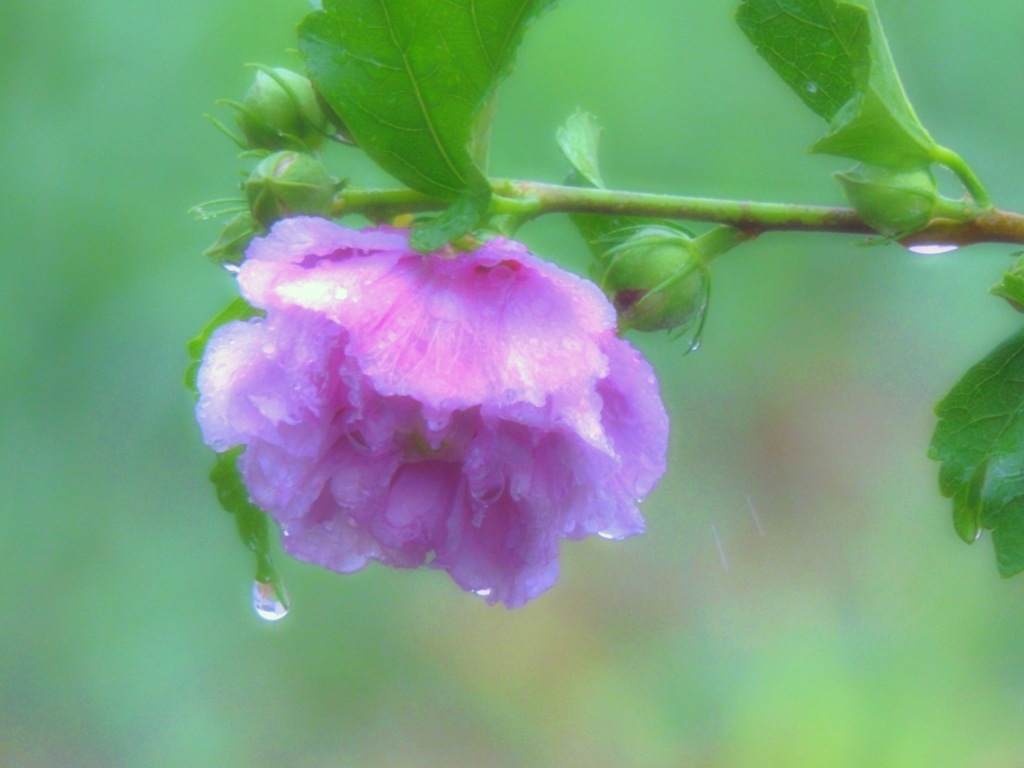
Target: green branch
529,200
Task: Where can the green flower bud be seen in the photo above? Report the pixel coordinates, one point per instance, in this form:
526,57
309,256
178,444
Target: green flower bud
894,203
1012,286
656,279
280,109
289,184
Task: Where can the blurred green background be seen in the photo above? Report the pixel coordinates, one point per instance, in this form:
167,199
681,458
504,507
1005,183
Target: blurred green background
857,631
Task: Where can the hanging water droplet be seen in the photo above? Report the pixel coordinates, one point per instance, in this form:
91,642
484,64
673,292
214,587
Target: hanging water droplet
606,535
232,268
483,592
811,86
266,603
933,250
977,535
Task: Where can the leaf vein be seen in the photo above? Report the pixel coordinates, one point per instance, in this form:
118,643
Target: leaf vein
419,99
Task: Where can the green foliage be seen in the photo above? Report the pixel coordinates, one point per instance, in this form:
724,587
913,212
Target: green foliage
1011,287
579,139
238,309
456,221
836,57
251,521
821,49
411,78
234,238
980,442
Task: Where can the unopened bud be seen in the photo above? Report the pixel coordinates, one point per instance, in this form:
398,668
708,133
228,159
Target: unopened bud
893,203
656,280
289,184
279,109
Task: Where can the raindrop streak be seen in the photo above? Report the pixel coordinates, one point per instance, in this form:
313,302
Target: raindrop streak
933,250
757,520
718,543
266,603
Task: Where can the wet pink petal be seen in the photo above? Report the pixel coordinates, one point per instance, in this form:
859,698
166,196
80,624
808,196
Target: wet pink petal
467,410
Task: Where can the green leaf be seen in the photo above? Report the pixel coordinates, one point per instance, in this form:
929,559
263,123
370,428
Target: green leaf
1012,286
870,130
821,48
579,140
836,57
980,441
411,78
238,309
233,240
456,221
1011,289
251,521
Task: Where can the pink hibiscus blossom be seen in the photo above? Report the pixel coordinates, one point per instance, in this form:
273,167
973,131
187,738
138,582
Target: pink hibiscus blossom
394,405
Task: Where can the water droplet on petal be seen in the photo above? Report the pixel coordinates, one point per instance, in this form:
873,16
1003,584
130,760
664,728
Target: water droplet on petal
933,250
482,592
266,603
811,86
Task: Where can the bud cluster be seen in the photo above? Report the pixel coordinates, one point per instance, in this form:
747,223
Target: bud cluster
283,120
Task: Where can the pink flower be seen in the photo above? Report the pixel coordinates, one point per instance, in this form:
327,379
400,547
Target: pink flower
475,407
